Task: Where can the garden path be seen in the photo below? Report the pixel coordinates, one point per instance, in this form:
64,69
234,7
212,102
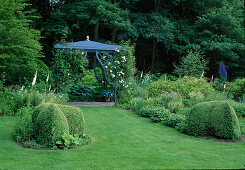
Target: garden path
91,104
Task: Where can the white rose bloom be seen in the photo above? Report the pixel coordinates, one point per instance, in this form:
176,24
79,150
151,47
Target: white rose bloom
106,67
111,71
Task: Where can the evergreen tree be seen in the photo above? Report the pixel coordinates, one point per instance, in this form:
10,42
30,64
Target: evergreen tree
192,65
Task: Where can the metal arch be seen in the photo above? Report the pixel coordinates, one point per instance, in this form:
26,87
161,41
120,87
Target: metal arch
114,83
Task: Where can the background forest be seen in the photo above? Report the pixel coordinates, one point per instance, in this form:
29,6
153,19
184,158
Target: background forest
163,32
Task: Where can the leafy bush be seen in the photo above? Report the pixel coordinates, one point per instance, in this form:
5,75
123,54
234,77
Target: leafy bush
237,88
74,118
214,118
156,114
238,107
84,90
72,141
50,124
182,127
107,93
12,100
24,127
183,86
68,67
174,119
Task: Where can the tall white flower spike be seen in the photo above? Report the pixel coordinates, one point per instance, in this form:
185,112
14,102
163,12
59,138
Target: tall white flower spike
34,79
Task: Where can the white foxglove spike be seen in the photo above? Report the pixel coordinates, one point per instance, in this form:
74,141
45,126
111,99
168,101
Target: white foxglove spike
141,74
34,79
47,78
202,74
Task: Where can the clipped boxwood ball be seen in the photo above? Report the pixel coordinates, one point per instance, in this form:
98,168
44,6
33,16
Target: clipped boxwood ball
49,124
215,118
75,118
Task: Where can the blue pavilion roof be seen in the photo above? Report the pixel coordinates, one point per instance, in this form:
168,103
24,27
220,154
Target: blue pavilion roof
90,46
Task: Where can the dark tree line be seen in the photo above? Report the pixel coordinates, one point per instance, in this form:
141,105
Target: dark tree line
163,31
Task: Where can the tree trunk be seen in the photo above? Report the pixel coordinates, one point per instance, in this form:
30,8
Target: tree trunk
96,30
114,33
153,54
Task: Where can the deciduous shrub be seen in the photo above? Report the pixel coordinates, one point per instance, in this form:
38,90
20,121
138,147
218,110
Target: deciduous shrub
238,107
237,88
50,124
183,86
174,119
155,113
24,126
214,118
12,100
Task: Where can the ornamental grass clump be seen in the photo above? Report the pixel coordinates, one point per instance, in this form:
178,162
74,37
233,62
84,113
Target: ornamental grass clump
215,118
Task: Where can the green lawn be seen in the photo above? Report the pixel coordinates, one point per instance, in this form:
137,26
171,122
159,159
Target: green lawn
123,140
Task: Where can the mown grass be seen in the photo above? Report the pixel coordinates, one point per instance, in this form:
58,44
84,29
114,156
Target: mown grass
122,140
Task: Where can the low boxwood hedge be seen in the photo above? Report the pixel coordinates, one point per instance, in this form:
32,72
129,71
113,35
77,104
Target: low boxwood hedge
50,124
215,118
74,118
51,121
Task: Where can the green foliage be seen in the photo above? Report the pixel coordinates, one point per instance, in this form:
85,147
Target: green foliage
84,90
74,118
214,118
88,78
238,107
192,65
24,128
107,93
19,46
174,120
154,26
183,86
50,124
72,141
237,88
68,67
13,100
156,114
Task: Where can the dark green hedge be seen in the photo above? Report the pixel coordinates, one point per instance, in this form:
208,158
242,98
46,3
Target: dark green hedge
215,118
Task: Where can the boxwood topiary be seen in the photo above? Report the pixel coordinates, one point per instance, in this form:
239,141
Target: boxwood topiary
215,118
74,118
49,124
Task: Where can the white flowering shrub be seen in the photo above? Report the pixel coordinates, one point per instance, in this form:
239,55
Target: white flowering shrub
120,66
